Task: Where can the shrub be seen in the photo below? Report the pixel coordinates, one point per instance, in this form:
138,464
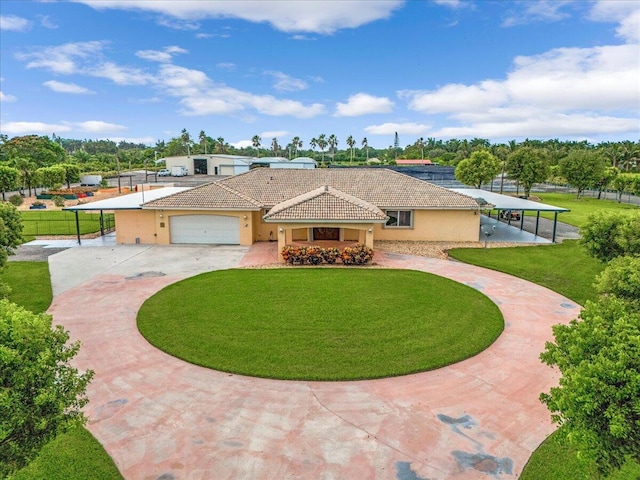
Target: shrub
330,255
58,200
38,203
358,255
314,255
16,200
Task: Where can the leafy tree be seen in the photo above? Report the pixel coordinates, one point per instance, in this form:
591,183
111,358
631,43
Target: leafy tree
10,231
71,173
610,235
622,279
479,168
41,394
582,168
598,397
8,179
27,170
38,149
622,183
52,176
607,176
528,165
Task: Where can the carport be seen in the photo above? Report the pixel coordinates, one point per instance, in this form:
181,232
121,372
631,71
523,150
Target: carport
501,203
132,201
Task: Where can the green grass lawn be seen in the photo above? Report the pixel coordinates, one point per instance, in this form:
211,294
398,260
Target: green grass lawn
75,455
564,268
320,323
556,460
580,208
58,222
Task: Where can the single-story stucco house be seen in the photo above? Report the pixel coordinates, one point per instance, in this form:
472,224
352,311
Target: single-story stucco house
290,205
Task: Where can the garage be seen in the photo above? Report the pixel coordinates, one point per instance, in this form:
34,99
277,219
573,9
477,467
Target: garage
205,229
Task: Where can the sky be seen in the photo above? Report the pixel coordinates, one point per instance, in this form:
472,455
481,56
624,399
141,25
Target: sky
143,70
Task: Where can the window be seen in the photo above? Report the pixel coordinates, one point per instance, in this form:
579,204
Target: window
400,218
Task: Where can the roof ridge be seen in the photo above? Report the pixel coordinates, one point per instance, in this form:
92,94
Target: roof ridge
359,202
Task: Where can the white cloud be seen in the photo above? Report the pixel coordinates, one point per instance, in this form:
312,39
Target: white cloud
149,141
98,126
242,144
538,11
229,67
13,23
363,104
64,59
162,56
177,24
565,91
625,13
286,83
7,98
449,3
287,15
121,75
274,134
46,22
24,128
401,128
66,87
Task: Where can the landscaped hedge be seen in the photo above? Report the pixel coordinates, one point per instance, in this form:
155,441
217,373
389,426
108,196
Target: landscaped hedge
315,255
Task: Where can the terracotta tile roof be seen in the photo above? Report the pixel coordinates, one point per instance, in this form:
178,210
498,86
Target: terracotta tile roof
211,195
378,186
325,203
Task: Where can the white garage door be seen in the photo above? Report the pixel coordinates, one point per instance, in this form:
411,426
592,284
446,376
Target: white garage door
205,229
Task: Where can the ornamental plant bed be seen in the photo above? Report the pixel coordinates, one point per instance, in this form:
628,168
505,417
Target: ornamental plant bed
316,255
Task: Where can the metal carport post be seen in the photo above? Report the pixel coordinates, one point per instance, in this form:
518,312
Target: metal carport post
78,227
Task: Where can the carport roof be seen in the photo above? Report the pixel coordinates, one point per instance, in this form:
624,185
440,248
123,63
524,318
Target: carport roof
133,201
506,202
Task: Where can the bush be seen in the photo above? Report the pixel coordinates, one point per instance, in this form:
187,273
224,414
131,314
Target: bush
16,200
315,255
58,200
358,255
38,203
609,235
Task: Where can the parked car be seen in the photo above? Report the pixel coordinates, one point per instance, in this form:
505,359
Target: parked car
509,214
165,172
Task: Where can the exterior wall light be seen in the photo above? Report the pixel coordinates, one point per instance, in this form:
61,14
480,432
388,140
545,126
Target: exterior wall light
281,229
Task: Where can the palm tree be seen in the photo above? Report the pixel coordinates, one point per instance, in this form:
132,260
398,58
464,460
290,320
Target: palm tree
186,140
275,147
203,140
333,142
365,144
420,144
351,142
322,143
296,143
313,143
222,147
255,141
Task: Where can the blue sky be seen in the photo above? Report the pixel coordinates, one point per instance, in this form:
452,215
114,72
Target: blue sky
144,70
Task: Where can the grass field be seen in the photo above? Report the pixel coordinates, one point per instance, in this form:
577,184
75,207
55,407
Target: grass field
58,222
320,323
74,455
564,268
30,284
580,208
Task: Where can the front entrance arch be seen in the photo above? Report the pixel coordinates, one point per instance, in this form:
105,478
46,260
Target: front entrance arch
326,233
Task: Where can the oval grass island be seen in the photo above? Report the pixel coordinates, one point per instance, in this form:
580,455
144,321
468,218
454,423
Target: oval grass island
320,323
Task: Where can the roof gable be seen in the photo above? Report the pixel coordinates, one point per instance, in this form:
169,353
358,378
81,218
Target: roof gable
211,195
326,203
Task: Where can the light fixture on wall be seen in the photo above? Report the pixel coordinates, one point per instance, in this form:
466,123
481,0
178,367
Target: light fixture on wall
245,217
161,216
281,229
370,230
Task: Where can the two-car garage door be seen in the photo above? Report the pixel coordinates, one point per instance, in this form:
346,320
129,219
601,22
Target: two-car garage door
212,229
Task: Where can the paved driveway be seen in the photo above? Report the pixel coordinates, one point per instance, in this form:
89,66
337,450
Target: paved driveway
162,418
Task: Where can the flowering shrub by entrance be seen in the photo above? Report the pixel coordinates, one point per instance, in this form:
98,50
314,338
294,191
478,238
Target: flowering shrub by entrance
315,255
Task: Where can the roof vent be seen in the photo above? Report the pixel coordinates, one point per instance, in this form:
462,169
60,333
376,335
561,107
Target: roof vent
326,188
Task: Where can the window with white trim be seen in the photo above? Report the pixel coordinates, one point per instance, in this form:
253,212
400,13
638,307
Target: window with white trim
399,219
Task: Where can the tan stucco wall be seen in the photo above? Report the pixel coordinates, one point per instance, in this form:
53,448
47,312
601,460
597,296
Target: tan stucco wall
436,225
132,224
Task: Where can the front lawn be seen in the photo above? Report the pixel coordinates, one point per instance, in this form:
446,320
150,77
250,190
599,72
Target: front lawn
30,284
581,208
320,323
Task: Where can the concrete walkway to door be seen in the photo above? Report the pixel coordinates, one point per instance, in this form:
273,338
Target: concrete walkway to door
162,418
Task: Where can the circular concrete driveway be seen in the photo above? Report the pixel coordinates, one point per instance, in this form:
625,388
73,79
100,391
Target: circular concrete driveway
162,418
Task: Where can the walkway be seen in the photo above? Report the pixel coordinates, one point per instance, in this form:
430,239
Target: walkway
162,418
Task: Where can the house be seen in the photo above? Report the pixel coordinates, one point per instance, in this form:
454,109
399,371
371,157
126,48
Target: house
424,161
223,164
288,205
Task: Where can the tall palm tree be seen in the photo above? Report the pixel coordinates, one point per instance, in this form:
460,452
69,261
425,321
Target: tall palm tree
296,143
313,143
351,142
322,143
420,145
333,142
365,145
186,140
275,147
222,147
203,140
255,141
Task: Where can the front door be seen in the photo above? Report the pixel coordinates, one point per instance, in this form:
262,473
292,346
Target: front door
322,233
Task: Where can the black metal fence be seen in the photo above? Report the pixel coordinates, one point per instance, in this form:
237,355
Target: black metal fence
64,223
